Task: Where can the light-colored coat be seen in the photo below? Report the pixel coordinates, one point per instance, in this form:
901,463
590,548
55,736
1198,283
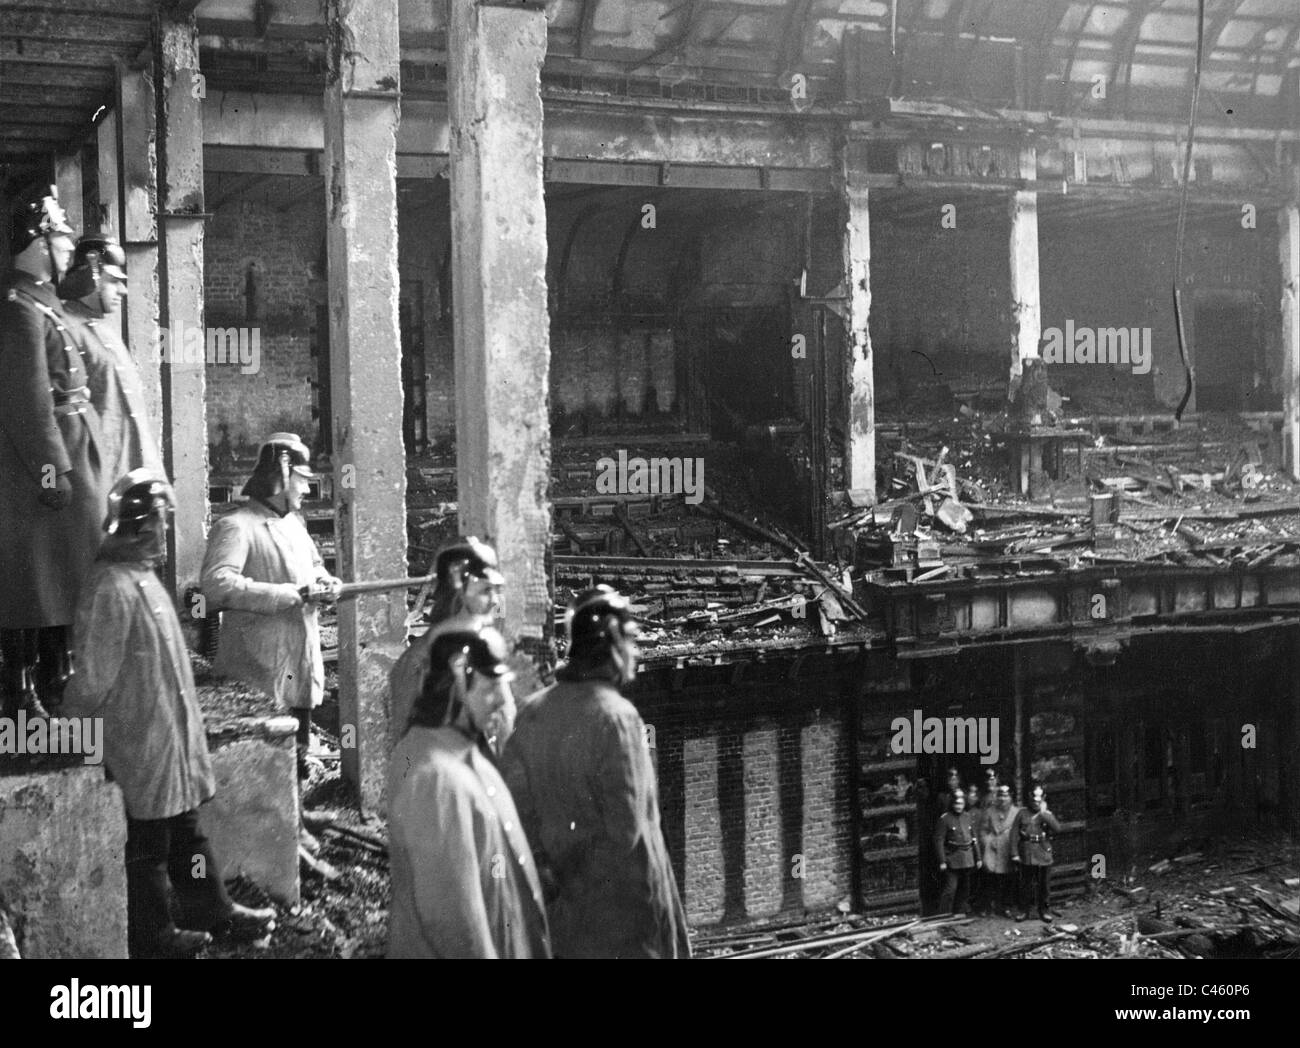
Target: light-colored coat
134,672
126,431
996,843
255,561
45,553
579,769
464,882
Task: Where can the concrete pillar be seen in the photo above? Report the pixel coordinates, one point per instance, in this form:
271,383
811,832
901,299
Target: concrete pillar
67,176
860,460
1026,309
361,115
502,334
1288,221
109,219
137,228
180,225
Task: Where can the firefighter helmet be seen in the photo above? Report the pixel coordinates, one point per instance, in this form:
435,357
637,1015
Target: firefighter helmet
136,497
596,620
97,256
38,216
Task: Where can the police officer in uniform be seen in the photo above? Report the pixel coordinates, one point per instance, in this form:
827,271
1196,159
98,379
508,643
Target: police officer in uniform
955,845
578,766
50,503
92,293
1033,836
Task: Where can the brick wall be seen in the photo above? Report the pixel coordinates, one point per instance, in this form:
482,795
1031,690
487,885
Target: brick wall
282,249
754,800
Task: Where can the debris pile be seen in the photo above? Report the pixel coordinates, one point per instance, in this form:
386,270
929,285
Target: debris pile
1116,491
1241,900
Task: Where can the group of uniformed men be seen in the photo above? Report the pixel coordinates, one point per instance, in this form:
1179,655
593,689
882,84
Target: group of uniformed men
559,852
555,849
992,854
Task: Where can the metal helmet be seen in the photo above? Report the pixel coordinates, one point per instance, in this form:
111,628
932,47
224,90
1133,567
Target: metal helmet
484,648
97,256
135,498
470,558
280,455
38,216
596,619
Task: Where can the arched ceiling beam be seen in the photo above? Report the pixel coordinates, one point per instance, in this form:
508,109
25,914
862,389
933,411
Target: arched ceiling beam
1067,81
1050,24
1126,52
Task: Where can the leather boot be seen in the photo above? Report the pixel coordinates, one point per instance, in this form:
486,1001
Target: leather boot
19,694
54,669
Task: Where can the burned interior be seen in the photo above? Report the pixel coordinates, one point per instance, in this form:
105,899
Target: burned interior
901,363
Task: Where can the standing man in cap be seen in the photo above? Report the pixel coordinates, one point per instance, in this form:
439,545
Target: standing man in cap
958,853
578,766
467,592
134,672
264,571
464,882
92,294
50,495
997,847
1032,835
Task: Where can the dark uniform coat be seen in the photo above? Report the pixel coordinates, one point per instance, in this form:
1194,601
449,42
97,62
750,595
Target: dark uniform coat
127,438
579,769
464,882
48,427
1033,836
954,840
133,670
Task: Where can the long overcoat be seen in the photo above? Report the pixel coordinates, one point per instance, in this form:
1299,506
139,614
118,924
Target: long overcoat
48,428
267,639
996,843
578,766
127,438
133,671
464,881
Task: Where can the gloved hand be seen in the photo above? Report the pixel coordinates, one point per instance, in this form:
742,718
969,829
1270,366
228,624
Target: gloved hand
59,496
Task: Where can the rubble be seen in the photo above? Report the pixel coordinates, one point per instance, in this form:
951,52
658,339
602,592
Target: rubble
1193,908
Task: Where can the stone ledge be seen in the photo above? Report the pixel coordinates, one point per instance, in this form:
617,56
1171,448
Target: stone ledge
62,841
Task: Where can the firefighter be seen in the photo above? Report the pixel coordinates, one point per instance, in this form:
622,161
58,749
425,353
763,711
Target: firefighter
958,852
264,572
92,293
50,507
464,881
1032,837
467,593
134,672
578,766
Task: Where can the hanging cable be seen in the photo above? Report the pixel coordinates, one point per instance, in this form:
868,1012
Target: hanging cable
1189,368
